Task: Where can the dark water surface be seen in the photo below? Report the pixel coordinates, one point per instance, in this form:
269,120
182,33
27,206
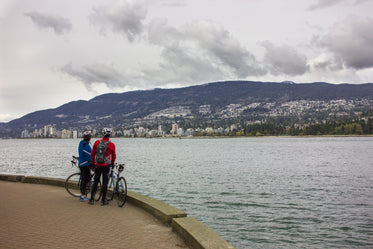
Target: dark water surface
254,192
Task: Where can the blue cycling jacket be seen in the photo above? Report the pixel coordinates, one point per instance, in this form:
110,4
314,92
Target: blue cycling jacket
85,151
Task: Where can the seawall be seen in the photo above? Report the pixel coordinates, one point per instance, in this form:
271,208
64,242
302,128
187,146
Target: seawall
193,232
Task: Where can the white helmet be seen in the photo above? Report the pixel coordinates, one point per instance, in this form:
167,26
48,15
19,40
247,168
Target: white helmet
107,132
87,134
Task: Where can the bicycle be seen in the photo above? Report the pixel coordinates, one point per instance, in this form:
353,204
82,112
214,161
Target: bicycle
117,185
73,182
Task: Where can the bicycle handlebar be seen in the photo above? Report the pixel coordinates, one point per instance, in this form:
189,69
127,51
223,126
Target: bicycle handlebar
74,161
120,166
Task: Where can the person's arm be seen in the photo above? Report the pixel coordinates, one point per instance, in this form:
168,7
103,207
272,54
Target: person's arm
80,148
113,155
87,153
93,154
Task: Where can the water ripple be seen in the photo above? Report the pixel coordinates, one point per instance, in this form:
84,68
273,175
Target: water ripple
255,193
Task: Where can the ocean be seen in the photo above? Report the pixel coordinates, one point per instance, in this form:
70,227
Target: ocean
267,192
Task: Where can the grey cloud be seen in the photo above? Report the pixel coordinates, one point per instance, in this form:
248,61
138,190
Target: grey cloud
321,4
160,33
96,73
59,24
361,1
351,41
330,65
219,44
171,3
203,46
183,64
284,60
324,4
125,19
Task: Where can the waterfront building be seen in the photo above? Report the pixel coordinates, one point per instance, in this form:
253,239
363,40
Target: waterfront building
174,129
209,130
160,131
180,131
25,134
66,134
152,133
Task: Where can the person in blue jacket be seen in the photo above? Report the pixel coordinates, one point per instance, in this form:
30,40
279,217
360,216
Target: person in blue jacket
84,163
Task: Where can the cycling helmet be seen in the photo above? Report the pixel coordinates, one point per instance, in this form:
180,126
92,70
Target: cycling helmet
106,132
87,134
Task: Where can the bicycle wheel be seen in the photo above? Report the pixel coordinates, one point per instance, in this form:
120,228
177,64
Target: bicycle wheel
110,190
121,191
98,193
72,184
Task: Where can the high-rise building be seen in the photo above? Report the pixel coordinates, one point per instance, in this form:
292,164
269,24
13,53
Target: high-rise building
174,129
25,134
160,131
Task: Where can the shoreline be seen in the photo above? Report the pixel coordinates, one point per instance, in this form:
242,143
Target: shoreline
201,137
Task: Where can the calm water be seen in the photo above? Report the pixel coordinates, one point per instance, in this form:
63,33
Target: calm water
254,192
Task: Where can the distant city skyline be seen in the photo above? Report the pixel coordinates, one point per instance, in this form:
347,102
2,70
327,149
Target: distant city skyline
53,52
298,111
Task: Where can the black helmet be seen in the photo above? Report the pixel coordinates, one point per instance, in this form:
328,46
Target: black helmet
106,132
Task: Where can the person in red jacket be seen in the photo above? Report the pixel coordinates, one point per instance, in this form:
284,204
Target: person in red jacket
102,163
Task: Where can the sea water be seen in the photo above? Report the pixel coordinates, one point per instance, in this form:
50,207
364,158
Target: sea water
281,192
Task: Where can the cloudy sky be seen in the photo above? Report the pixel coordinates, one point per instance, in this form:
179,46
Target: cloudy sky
53,52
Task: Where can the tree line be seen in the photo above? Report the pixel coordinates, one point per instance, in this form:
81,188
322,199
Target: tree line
361,126
341,127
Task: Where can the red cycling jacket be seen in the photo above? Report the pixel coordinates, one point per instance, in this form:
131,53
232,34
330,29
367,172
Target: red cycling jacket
110,152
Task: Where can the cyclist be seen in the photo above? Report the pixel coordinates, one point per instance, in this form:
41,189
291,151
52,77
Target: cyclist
84,163
102,163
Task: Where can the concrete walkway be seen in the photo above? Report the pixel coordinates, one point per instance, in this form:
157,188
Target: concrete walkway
41,216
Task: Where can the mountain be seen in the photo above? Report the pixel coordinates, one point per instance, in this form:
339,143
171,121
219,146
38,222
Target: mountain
129,108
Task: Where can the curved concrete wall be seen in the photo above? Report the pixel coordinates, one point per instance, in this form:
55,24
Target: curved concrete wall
195,233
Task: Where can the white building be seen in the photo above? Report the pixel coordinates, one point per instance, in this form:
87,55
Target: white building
25,134
180,131
204,109
174,129
160,131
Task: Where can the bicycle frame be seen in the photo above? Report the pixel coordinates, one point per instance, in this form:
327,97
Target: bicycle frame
114,175
117,185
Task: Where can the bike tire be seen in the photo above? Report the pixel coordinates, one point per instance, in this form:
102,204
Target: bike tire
72,184
110,190
98,193
121,191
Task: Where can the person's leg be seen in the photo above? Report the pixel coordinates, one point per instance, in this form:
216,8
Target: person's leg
98,172
85,174
82,187
105,180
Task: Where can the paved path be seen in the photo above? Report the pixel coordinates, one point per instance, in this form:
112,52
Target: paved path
41,216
